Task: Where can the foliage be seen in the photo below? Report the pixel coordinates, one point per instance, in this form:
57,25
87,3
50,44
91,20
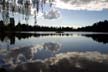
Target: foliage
101,26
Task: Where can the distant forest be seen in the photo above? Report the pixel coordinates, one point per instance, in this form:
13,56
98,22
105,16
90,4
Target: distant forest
101,26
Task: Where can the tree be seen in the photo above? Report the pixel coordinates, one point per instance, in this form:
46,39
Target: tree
2,27
12,24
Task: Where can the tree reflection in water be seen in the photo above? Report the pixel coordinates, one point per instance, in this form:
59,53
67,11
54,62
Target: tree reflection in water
11,36
103,38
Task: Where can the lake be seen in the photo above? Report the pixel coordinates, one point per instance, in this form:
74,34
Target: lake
54,52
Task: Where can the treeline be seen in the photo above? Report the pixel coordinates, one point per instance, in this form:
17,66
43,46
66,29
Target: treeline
8,27
25,27
101,26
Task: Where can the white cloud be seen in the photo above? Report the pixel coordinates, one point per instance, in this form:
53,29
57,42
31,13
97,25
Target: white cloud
82,4
52,14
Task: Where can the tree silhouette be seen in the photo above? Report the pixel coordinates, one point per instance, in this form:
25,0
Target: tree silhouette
2,27
101,26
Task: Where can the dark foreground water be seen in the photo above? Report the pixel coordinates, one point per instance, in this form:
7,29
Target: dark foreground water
54,52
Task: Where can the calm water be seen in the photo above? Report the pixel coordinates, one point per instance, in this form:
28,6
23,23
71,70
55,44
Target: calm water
84,51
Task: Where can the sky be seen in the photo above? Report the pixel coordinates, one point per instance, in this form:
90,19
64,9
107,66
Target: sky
72,13
77,13
76,18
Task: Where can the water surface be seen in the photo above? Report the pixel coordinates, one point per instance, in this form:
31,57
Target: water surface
82,50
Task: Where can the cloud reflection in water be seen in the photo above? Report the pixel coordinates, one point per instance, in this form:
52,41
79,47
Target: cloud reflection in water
22,60
53,47
69,62
22,55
